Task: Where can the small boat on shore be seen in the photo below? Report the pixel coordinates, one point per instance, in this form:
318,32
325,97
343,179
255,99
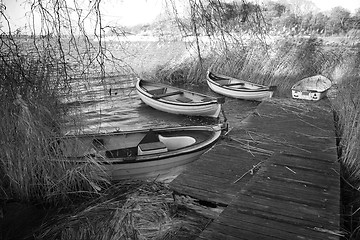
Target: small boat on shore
140,153
237,88
311,88
178,101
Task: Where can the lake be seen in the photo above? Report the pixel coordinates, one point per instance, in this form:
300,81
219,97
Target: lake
112,104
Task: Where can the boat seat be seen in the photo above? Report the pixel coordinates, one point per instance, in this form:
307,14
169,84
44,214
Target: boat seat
206,99
150,144
235,84
151,148
157,91
173,143
184,99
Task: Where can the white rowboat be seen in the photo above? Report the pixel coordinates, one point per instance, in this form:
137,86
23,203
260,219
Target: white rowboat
178,101
140,153
236,88
311,88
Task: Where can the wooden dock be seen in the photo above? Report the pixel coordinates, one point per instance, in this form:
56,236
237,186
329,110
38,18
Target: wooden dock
276,175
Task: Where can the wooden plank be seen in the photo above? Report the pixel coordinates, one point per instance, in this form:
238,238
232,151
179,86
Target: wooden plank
293,174
209,234
297,212
234,84
235,231
291,206
167,94
294,197
297,190
329,156
219,198
302,189
304,166
255,223
288,217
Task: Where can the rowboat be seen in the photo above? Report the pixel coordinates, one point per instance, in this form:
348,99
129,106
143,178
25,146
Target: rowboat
311,88
178,101
236,88
141,153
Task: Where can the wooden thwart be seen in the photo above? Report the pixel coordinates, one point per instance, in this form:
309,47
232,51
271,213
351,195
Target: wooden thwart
234,84
167,94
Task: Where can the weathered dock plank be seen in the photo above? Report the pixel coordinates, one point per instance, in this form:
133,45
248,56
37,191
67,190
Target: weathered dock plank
295,191
212,177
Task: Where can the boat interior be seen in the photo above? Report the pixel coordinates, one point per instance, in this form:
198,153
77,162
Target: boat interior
127,147
238,84
177,95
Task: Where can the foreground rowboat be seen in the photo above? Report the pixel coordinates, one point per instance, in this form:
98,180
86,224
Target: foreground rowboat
178,101
236,88
311,88
141,153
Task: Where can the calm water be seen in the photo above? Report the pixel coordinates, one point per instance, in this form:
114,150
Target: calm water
113,104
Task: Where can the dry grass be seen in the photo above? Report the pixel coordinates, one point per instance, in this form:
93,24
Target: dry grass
347,105
29,127
128,210
282,64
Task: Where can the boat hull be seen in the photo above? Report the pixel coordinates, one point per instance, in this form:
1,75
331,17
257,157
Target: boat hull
118,155
238,88
150,169
211,108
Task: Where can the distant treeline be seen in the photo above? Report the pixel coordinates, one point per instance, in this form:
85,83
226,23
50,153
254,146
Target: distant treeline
209,17
286,18
300,17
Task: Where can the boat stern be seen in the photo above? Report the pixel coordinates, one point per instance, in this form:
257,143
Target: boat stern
307,95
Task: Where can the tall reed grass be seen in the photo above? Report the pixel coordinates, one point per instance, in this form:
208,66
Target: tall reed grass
346,104
30,125
282,64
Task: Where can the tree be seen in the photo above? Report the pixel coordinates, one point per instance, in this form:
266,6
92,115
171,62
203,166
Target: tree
338,20
318,22
355,20
274,9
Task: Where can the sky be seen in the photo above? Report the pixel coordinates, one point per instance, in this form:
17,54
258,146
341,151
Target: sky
326,5
134,12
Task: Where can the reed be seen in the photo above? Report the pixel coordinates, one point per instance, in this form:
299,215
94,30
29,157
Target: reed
347,116
346,105
31,118
282,64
